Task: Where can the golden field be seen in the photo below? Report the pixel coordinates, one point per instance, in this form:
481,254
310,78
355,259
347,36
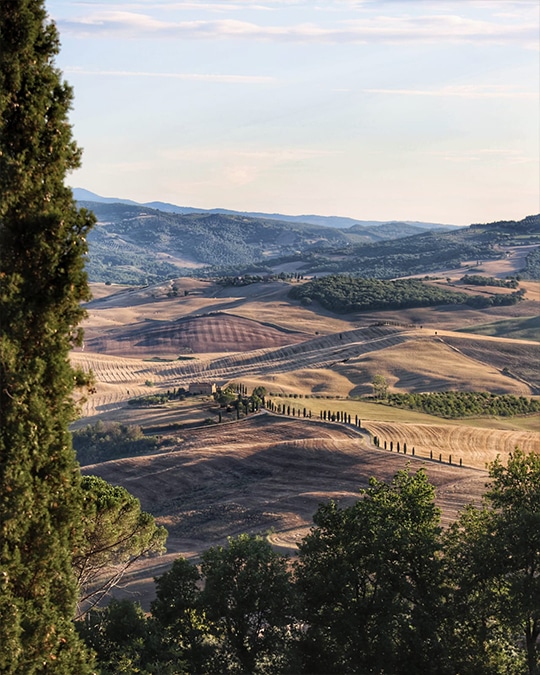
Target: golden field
269,472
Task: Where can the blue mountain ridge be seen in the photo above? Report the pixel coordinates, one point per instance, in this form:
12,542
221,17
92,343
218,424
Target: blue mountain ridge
81,194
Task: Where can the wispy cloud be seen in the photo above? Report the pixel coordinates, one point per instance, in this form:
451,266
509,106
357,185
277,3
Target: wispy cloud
234,153
200,77
428,28
462,91
489,155
239,5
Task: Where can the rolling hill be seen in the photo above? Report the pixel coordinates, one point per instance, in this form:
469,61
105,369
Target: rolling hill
137,244
267,473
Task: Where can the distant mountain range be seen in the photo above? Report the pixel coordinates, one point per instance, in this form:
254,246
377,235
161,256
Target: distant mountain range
139,244
83,195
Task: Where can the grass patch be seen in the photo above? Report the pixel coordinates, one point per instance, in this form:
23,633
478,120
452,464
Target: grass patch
378,412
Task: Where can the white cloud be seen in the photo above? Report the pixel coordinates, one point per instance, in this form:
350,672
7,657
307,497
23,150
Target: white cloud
427,28
200,77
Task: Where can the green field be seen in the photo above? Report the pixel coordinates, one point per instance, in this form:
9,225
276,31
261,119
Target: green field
384,413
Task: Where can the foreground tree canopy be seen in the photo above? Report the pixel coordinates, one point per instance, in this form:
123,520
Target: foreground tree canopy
42,282
378,587
116,533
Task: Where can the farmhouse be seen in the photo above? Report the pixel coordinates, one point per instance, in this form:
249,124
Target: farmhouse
202,388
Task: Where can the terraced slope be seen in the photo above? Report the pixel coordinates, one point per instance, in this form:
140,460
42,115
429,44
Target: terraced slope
410,359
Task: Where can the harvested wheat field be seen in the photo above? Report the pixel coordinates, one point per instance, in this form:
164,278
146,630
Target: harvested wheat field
263,473
473,445
268,472
435,363
338,364
210,333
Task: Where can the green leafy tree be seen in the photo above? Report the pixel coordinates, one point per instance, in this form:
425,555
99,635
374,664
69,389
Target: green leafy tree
514,493
369,579
125,640
42,283
177,609
247,598
116,534
380,386
493,564
226,396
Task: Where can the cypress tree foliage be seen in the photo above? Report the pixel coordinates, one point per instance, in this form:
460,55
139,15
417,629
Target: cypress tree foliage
42,282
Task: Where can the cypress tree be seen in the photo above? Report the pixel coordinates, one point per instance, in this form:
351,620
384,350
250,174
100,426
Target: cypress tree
42,282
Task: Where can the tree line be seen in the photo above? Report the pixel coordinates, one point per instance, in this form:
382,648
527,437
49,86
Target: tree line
111,440
458,404
479,280
377,586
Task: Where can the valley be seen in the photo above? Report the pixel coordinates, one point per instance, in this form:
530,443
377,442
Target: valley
268,472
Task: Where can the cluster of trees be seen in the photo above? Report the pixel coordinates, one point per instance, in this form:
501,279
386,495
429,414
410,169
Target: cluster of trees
417,254
378,586
479,280
342,293
123,263
235,396
176,394
532,265
454,404
513,230
248,279
495,300
111,440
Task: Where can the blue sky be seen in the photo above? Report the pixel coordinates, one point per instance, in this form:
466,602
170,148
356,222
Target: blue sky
373,109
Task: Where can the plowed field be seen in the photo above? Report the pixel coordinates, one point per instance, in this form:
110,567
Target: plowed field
218,332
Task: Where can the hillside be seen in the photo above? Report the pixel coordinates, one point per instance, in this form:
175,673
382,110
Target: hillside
429,251
257,334
136,244
267,473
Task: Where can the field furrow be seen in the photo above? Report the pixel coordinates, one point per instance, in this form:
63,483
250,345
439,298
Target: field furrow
474,446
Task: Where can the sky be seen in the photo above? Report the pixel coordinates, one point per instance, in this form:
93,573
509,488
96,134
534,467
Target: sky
422,110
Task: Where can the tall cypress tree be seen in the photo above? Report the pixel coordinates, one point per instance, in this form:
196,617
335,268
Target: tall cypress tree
42,282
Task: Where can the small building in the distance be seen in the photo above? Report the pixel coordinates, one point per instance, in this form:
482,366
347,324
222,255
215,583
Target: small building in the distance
202,388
